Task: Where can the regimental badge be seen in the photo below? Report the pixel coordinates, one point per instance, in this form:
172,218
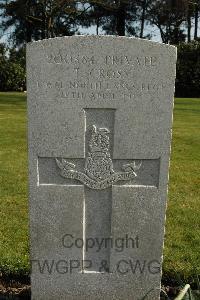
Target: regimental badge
99,172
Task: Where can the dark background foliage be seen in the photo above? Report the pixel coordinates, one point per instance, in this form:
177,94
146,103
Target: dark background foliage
188,70
12,69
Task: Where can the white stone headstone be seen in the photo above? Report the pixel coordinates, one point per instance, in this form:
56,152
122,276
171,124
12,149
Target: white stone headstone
100,119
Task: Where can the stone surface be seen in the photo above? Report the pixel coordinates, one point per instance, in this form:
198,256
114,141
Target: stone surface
100,118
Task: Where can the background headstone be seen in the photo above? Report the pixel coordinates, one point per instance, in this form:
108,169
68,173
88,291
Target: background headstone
100,118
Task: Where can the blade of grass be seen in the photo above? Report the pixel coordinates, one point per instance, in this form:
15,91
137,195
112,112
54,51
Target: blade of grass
183,292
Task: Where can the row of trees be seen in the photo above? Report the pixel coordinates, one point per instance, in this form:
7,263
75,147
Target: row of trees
30,20
38,19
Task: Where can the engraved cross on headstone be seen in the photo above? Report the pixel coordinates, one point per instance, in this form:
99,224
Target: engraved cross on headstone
99,173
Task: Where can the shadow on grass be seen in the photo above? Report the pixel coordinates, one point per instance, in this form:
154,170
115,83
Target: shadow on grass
25,295
187,109
12,99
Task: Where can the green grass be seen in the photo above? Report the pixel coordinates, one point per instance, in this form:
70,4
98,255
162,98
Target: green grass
182,242
13,182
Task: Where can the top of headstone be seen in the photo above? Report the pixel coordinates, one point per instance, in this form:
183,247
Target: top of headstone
101,37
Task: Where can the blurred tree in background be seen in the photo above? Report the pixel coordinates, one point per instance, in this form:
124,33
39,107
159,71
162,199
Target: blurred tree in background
188,70
31,20
37,19
12,70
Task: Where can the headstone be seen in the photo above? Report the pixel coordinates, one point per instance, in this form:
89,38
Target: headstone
100,119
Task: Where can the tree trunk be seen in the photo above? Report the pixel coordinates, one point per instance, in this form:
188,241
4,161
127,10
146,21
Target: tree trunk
196,16
120,19
163,35
189,28
28,33
97,27
143,18
28,26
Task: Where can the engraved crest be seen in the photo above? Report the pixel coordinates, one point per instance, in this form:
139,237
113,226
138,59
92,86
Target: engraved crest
99,171
98,164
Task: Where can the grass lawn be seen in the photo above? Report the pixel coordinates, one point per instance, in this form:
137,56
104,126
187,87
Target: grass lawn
14,246
182,241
